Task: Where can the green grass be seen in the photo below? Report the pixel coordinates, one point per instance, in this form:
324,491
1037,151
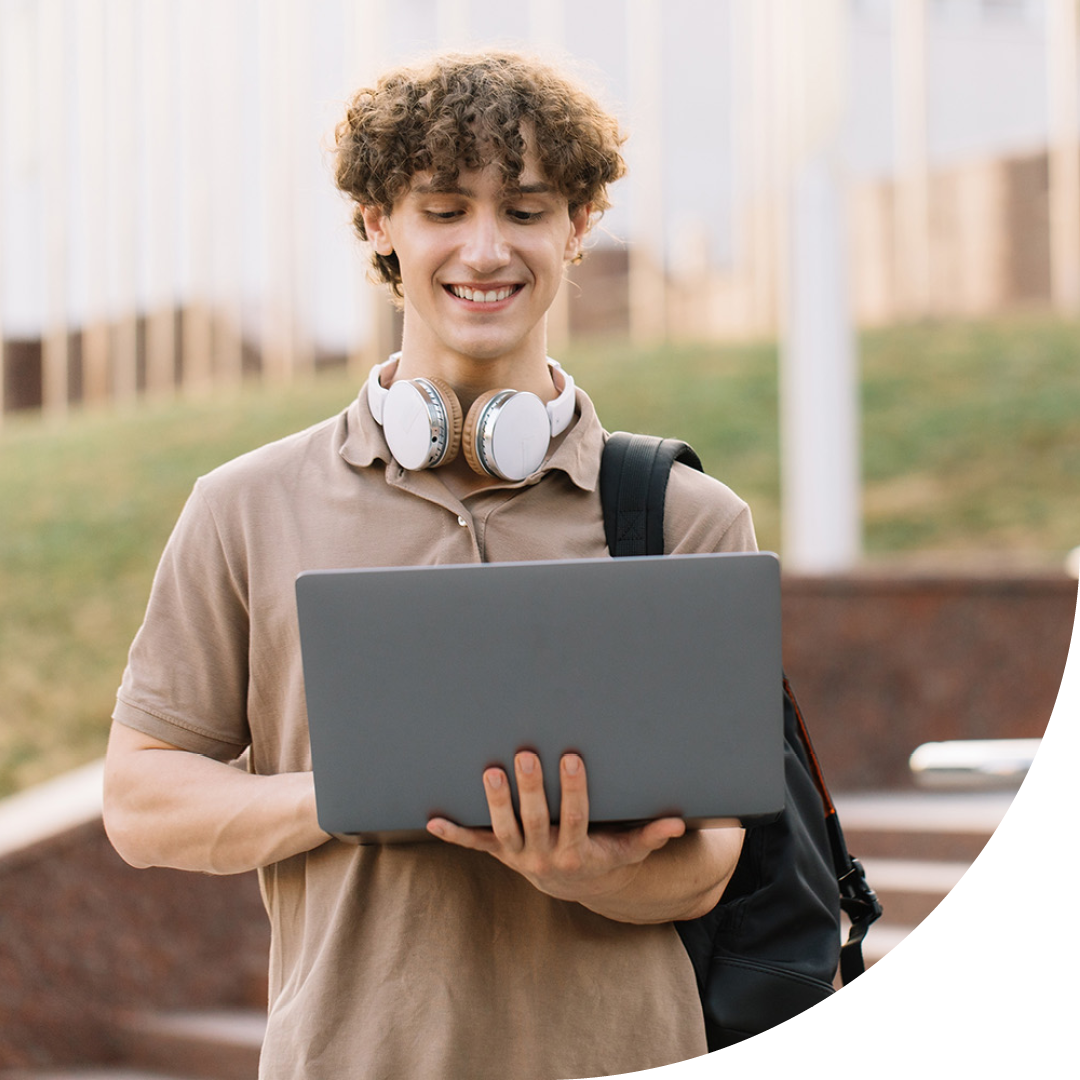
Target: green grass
86,509
972,438
722,400
971,447
970,431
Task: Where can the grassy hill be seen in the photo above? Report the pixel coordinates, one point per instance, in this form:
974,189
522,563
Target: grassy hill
971,451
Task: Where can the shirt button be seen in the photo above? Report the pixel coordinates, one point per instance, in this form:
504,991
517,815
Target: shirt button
462,522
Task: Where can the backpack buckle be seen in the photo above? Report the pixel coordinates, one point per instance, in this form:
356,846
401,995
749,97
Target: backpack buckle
857,899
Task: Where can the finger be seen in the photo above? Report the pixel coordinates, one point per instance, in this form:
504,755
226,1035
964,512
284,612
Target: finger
574,802
474,839
504,822
532,800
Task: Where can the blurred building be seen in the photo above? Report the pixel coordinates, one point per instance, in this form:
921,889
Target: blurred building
167,212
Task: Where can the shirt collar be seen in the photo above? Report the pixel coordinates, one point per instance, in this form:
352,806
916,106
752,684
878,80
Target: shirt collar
578,455
364,443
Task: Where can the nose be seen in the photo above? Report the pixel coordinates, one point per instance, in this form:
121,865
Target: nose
485,248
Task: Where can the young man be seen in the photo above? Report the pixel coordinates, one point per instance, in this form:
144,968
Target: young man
527,950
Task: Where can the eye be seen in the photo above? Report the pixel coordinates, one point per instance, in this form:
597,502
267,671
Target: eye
442,215
525,216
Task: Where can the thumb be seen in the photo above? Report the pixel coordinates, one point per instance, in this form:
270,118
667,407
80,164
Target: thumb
657,833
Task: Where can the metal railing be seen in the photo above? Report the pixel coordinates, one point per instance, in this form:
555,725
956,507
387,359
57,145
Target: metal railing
973,764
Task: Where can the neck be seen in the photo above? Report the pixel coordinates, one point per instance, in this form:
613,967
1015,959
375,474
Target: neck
470,375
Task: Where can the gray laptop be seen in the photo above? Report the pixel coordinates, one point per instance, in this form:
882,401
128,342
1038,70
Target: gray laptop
664,673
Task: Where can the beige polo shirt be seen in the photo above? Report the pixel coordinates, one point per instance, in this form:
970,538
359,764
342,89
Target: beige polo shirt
419,960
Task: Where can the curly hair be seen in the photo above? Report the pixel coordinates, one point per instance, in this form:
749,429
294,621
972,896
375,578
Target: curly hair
467,111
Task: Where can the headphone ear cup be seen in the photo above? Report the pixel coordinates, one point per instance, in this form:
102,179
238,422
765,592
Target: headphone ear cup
421,420
453,419
469,431
507,434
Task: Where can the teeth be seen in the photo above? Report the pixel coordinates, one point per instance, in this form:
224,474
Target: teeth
478,296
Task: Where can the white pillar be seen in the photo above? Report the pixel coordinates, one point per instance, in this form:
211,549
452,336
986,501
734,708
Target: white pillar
452,23
198,114
911,185
779,64
547,34
754,219
283,47
547,24
122,195
92,196
1064,154
4,152
645,161
820,502
366,30
55,166
158,137
230,190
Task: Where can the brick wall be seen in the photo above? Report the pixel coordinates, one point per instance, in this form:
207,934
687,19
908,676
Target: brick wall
82,935
882,664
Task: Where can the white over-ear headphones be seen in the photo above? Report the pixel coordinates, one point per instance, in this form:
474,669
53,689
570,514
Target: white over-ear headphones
506,433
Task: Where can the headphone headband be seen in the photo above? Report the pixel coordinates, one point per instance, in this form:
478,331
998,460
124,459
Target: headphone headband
423,423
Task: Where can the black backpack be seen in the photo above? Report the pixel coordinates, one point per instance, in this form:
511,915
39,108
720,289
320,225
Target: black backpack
771,947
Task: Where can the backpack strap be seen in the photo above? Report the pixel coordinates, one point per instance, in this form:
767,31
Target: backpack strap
633,482
858,901
634,473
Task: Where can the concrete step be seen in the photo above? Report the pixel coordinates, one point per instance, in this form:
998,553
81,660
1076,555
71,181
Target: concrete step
947,826
882,939
909,889
209,1045
915,846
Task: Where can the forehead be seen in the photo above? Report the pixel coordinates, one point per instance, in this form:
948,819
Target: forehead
488,179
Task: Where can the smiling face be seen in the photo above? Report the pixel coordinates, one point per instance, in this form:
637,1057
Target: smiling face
481,262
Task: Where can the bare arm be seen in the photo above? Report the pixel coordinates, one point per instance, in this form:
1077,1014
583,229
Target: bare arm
655,873
169,807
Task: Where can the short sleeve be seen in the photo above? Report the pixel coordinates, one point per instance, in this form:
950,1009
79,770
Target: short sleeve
701,514
187,674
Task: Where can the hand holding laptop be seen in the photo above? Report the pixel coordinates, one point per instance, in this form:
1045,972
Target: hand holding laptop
601,868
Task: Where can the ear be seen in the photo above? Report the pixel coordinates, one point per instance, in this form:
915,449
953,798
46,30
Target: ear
580,223
377,227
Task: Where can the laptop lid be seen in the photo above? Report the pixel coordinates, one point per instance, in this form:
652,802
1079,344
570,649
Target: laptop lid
664,673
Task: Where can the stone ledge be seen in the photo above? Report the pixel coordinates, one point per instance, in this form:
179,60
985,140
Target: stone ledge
50,809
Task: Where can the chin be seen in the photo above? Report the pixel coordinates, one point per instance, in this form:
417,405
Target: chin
481,348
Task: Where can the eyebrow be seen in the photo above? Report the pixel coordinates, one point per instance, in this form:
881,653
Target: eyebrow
435,188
